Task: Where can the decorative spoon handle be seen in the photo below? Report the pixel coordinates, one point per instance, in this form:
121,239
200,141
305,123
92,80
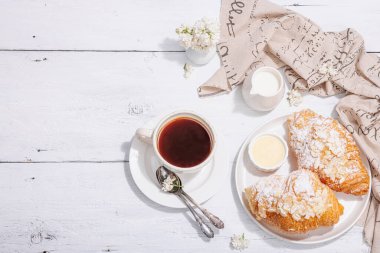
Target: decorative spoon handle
204,227
218,223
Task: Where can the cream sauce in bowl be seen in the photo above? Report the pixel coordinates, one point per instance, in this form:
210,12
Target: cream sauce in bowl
268,151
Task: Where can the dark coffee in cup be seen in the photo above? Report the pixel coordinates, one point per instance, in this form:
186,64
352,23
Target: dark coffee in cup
184,142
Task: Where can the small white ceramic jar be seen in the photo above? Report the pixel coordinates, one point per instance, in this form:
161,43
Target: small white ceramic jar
200,57
263,89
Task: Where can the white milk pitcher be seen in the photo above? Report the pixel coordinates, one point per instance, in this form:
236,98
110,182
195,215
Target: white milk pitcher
263,89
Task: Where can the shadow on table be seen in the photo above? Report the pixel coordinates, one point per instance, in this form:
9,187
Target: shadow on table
125,148
195,225
241,107
170,43
177,56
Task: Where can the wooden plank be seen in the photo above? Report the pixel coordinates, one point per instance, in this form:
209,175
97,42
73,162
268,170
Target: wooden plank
149,25
87,106
97,208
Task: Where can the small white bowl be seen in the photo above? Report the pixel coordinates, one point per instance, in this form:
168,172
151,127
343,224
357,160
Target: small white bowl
274,167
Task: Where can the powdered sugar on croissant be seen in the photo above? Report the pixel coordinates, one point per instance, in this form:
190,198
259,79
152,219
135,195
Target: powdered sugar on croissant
299,195
304,196
298,203
267,192
326,147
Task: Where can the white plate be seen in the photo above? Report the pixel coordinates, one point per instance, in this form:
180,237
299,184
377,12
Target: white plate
246,175
201,185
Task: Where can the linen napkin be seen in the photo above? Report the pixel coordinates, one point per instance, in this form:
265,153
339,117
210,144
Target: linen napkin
257,33
361,116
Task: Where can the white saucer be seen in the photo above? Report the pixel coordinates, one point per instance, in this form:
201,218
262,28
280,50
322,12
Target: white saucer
201,185
246,175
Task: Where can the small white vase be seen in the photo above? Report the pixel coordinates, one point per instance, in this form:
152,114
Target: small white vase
200,57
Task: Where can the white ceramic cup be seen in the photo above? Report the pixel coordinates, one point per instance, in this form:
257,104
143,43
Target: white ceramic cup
151,136
262,102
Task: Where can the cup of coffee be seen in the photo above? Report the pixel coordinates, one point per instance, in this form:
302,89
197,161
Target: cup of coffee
183,141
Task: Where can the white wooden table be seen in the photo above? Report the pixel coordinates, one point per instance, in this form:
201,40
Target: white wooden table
76,80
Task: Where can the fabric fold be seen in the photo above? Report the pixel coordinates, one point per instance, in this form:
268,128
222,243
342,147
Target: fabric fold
216,84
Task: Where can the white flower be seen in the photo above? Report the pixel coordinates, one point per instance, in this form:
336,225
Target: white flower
185,36
168,185
323,69
188,69
183,29
328,69
239,242
185,40
333,71
202,36
294,97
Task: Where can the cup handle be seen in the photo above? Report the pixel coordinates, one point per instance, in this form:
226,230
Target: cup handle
145,135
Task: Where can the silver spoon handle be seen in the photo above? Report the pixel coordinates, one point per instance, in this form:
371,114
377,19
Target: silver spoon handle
218,223
204,227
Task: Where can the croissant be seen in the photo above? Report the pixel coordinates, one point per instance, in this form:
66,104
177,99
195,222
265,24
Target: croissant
297,203
327,148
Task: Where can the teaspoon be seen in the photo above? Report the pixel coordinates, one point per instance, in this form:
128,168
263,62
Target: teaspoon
163,173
